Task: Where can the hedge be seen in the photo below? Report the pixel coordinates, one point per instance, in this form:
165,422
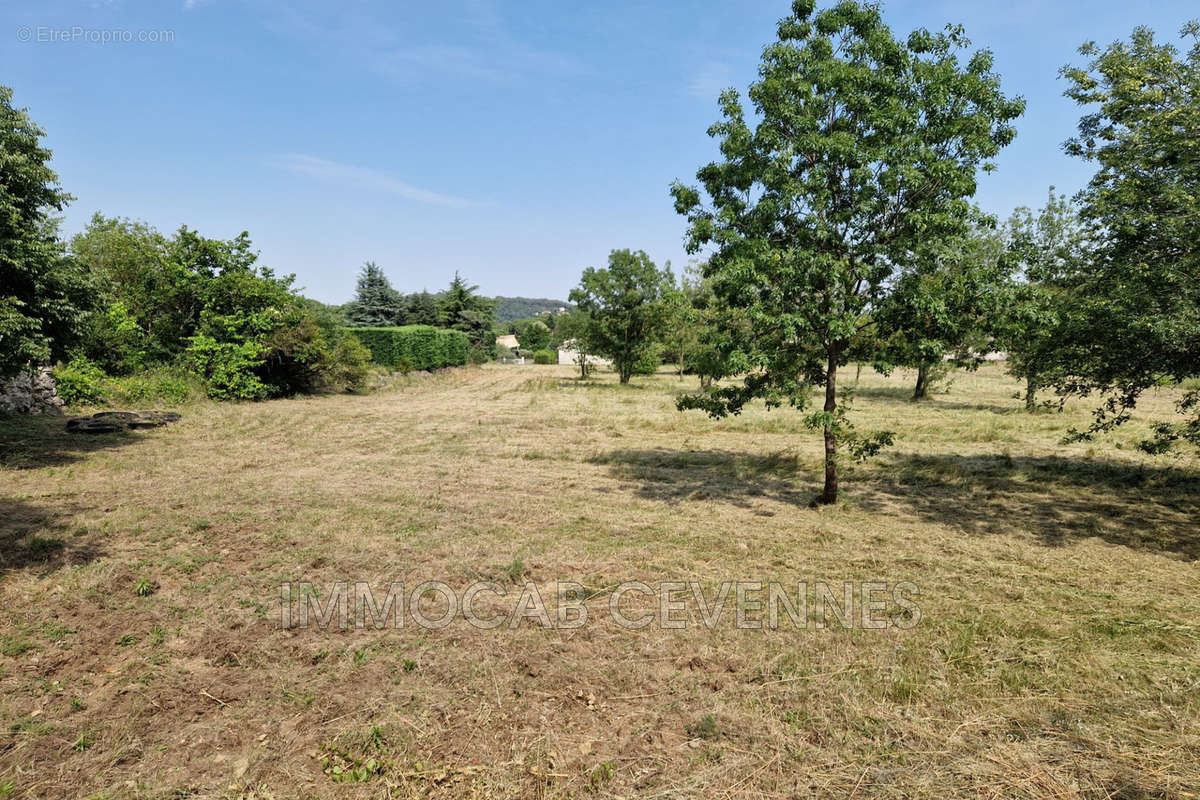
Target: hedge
415,346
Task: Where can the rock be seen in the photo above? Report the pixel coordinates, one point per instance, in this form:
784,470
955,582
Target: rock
115,421
30,393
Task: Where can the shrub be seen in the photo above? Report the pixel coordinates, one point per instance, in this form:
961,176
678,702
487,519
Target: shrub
80,382
483,353
545,357
348,367
648,362
228,368
417,346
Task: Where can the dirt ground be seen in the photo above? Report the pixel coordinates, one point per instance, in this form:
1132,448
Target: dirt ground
1057,653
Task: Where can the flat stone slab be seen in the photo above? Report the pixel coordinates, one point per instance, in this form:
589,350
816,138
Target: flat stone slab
116,421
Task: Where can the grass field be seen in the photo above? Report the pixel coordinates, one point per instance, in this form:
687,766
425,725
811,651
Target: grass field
142,656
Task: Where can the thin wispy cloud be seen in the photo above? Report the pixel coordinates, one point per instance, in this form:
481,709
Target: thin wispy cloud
366,178
466,39
712,79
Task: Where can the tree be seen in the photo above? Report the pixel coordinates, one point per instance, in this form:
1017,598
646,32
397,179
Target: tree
624,303
422,309
681,319
860,164
376,304
1135,319
532,334
942,306
43,294
462,309
1046,250
130,326
572,329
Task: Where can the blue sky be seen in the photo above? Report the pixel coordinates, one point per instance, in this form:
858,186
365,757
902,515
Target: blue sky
517,142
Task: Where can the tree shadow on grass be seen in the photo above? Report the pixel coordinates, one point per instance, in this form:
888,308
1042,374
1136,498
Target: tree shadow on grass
30,442
1055,499
674,476
897,395
37,536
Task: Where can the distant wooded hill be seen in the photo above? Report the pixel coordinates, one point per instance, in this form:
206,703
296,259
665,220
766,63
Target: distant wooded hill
510,308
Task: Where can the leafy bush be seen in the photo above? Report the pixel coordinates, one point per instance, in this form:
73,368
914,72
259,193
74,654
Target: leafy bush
418,346
80,382
228,368
648,362
347,368
545,357
483,352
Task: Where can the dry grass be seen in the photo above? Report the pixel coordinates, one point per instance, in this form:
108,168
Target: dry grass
1058,654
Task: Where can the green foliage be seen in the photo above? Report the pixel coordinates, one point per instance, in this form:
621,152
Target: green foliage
376,304
859,162
1047,251
43,293
423,310
228,368
624,307
681,323
483,352
80,382
510,309
532,334
379,343
462,309
571,330
937,307
167,385
1134,318
649,361
205,304
415,346
545,357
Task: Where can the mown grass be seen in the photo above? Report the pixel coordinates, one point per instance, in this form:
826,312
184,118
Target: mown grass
1057,655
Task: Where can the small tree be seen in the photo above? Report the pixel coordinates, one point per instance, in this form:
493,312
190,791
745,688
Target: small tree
464,310
376,304
1047,251
624,303
860,163
681,319
572,330
941,307
532,334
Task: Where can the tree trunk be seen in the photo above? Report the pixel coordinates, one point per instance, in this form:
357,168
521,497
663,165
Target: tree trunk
922,387
830,493
1030,393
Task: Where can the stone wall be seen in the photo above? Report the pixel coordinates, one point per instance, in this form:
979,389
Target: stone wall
27,393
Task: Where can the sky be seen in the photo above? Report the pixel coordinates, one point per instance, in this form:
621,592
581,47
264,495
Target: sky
514,142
